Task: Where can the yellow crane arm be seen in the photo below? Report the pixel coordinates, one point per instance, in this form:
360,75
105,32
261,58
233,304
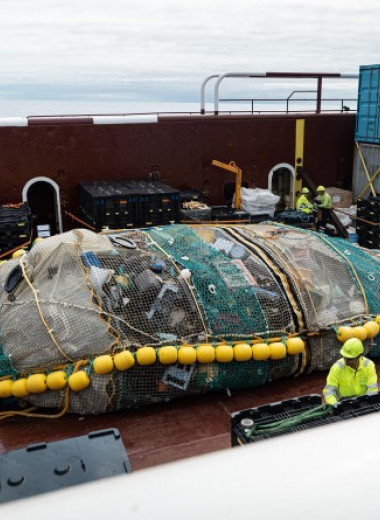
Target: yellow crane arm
231,167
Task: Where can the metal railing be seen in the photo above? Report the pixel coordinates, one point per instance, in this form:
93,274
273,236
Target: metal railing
340,104
318,76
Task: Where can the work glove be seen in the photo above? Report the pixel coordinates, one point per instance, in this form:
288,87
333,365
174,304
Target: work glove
336,408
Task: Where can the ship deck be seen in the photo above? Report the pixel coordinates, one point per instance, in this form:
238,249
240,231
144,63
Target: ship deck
165,432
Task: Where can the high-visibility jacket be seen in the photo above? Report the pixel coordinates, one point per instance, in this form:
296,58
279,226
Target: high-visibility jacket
303,204
344,381
324,201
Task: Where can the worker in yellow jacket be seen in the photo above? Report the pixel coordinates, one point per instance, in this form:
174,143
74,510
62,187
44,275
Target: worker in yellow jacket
350,376
303,203
324,204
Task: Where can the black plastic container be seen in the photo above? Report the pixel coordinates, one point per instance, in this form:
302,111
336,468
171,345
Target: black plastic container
220,213
108,204
15,227
45,467
18,214
271,413
158,202
128,203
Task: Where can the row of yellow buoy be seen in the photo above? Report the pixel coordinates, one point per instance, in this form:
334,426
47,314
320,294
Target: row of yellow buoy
186,355
368,330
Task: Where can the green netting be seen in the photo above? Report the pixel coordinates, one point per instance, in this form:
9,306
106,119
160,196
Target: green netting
230,303
6,367
233,375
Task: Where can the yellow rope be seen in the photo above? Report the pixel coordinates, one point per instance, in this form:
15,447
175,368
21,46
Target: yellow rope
185,280
48,329
28,412
114,333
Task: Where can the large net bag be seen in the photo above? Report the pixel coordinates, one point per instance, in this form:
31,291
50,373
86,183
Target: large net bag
91,323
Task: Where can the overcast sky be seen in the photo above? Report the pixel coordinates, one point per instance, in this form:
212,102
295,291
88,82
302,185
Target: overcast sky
163,49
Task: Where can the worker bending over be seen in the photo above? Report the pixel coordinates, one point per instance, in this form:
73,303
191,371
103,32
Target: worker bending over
350,376
303,203
324,203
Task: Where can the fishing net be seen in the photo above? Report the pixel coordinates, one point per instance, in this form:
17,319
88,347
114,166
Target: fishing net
80,295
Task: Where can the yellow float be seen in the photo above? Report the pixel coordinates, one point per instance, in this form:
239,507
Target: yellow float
205,353
19,388
224,353
260,351
79,381
344,333
360,333
242,352
146,356
36,383
124,360
56,380
277,350
372,328
295,346
187,355
18,253
103,364
6,388
167,355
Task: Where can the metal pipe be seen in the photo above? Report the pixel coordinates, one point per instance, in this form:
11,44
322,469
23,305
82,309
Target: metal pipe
319,95
232,75
203,87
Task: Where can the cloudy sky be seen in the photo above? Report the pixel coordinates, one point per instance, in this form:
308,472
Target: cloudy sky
161,50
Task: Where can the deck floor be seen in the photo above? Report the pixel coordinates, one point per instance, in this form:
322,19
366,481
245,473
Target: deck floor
164,432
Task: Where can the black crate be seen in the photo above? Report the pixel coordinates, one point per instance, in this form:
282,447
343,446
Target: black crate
195,214
373,216
128,203
45,467
220,213
158,202
15,227
190,195
109,204
361,230
18,214
267,414
373,234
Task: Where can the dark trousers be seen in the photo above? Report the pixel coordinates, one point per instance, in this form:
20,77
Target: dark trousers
325,216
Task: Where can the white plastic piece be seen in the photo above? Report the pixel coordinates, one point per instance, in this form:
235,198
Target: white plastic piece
125,120
185,274
13,121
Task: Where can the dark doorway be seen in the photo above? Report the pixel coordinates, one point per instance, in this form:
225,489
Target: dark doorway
282,186
42,199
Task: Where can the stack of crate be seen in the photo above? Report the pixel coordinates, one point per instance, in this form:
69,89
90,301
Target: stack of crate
124,204
15,226
108,204
158,202
369,234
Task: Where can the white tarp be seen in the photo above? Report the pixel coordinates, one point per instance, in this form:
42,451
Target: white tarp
257,201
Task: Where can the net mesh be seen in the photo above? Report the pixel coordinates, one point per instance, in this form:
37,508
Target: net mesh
81,295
